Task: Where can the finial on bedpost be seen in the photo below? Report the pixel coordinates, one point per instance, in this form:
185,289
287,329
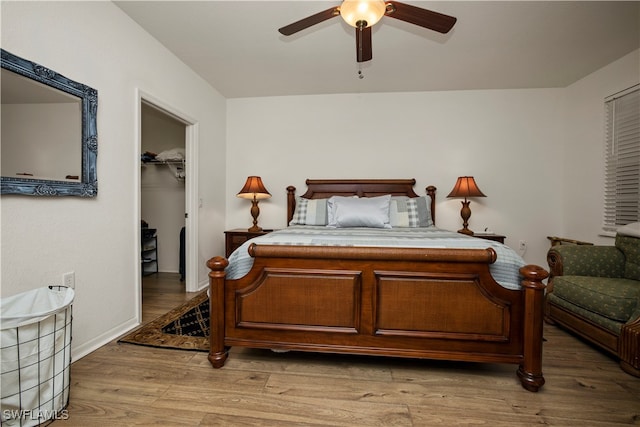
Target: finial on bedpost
431,192
291,202
217,351
530,370
217,265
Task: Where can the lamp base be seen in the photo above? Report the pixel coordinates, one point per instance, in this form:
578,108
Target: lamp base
255,212
465,213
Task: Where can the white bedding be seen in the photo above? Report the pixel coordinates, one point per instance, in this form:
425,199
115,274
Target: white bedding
505,270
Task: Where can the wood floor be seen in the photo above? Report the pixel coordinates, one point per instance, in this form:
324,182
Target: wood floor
126,385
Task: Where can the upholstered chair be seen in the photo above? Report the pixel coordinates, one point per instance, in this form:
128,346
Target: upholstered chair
594,291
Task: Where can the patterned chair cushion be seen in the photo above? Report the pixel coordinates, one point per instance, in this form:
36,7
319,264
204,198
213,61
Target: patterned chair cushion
615,299
606,323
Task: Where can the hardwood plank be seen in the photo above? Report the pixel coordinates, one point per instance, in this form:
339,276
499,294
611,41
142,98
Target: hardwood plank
287,408
312,364
88,412
239,420
162,290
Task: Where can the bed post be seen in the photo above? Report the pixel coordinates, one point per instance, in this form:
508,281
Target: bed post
431,192
217,350
291,202
530,370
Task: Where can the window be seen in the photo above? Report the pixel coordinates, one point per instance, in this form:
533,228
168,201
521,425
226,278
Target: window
622,159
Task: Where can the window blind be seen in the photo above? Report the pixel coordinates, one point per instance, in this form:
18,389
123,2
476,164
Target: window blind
622,159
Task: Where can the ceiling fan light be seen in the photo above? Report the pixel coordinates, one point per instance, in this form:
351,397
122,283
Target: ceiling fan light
355,11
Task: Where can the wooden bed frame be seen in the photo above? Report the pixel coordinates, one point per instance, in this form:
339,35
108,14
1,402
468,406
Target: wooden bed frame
400,302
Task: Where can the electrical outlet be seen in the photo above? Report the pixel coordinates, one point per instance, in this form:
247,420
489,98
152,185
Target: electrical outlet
522,248
69,280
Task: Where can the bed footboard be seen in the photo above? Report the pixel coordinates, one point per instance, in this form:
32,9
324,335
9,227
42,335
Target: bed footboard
401,302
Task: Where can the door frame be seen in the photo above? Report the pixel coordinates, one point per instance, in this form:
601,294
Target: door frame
191,190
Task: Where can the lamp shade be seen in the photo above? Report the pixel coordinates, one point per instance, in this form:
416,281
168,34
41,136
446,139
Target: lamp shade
254,189
466,187
362,13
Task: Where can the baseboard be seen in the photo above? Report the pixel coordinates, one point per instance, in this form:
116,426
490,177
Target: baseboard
79,352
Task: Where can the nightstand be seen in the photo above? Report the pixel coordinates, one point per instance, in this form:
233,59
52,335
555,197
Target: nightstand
491,236
233,239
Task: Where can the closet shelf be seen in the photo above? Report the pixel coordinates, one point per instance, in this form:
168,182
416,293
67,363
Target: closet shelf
149,251
177,166
164,162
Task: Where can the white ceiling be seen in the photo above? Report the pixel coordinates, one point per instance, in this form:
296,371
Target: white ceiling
236,47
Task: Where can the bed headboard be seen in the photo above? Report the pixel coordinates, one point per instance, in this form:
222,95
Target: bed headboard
325,188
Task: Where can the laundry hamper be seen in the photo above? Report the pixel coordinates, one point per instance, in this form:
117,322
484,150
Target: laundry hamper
35,346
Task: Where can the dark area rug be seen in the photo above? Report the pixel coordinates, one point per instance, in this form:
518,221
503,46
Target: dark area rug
185,327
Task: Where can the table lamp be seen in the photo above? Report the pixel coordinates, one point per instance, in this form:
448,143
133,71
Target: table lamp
254,190
466,187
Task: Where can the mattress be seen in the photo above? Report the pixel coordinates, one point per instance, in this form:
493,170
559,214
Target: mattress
505,270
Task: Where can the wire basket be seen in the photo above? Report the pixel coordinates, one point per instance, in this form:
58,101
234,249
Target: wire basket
35,346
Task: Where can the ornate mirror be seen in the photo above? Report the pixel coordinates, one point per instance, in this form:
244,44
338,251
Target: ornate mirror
49,141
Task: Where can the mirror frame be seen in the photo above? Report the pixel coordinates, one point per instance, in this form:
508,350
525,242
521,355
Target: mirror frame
88,184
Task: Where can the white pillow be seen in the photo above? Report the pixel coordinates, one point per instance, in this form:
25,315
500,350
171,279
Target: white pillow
361,212
331,208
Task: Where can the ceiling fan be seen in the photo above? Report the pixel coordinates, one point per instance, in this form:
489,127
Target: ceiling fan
363,14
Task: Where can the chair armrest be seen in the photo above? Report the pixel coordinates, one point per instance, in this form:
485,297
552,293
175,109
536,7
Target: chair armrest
635,316
586,260
562,240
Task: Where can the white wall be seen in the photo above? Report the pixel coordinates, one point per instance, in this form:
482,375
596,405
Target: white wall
583,173
504,138
97,44
162,207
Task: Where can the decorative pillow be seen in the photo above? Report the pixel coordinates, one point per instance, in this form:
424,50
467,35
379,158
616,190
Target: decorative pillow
410,212
361,212
310,212
331,208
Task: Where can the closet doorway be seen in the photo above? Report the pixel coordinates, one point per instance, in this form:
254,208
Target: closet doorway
162,192
167,186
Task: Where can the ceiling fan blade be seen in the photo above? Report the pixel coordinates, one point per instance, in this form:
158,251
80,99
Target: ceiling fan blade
363,44
307,22
422,17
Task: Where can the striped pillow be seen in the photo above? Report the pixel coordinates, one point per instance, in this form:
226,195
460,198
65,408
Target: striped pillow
410,212
310,212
